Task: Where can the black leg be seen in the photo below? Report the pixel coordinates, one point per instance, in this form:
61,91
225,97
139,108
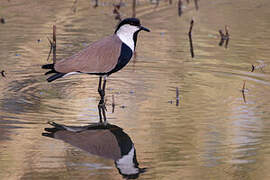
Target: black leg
104,113
101,91
99,86
103,88
99,111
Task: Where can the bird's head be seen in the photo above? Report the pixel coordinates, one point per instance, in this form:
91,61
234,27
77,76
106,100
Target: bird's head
130,25
128,29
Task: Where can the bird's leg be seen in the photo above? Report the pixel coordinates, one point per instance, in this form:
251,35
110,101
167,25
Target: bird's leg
99,86
103,108
103,89
100,104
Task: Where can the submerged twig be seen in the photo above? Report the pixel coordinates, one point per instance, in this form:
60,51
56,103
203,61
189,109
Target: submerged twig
252,68
224,37
52,45
134,8
74,6
179,7
113,104
177,96
2,20
3,73
196,4
117,12
243,91
96,4
157,3
190,38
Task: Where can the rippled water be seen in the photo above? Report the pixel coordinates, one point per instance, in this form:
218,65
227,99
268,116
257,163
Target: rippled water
212,134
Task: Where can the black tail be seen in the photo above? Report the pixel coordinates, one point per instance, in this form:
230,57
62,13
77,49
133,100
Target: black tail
52,70
54,77
49,132
48,66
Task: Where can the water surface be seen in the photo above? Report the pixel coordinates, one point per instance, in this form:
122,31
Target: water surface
212,134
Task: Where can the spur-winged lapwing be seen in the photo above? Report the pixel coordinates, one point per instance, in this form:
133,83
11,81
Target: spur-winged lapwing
102,57
108,141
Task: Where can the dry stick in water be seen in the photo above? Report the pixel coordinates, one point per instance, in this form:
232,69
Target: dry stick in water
96,4
227,36
157,3
74,6
224,37
243,91
221,38
252,68
190,38
134,8
177,96
2,20
116,12
3,73
179,7
196,4
52,45
113,104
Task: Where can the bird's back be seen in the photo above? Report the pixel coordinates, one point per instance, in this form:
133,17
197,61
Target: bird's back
98,142
99,57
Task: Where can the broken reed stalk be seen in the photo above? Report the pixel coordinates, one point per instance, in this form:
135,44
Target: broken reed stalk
74,6
54,44
113,103
157,4
96,4
179,7
243,91
177,96
252,68
116,12
221,38
3,73
224,37
196,4
227,36
244,86
134,8
190,38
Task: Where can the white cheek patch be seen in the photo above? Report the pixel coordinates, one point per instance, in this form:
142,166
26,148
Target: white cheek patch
125,33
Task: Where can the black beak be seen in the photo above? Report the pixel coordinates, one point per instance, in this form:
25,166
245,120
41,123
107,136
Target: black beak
144,29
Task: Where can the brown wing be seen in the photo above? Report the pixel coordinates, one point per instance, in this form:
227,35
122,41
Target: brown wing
99,57
98,142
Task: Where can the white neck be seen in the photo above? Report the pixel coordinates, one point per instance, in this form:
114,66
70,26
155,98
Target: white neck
125,33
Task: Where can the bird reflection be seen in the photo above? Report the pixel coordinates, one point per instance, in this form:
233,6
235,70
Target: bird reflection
101,139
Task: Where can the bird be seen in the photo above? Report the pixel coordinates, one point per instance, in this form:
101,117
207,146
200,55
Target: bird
105,140
102,57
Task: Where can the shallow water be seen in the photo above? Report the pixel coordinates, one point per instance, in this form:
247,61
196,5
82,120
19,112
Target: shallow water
212,134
